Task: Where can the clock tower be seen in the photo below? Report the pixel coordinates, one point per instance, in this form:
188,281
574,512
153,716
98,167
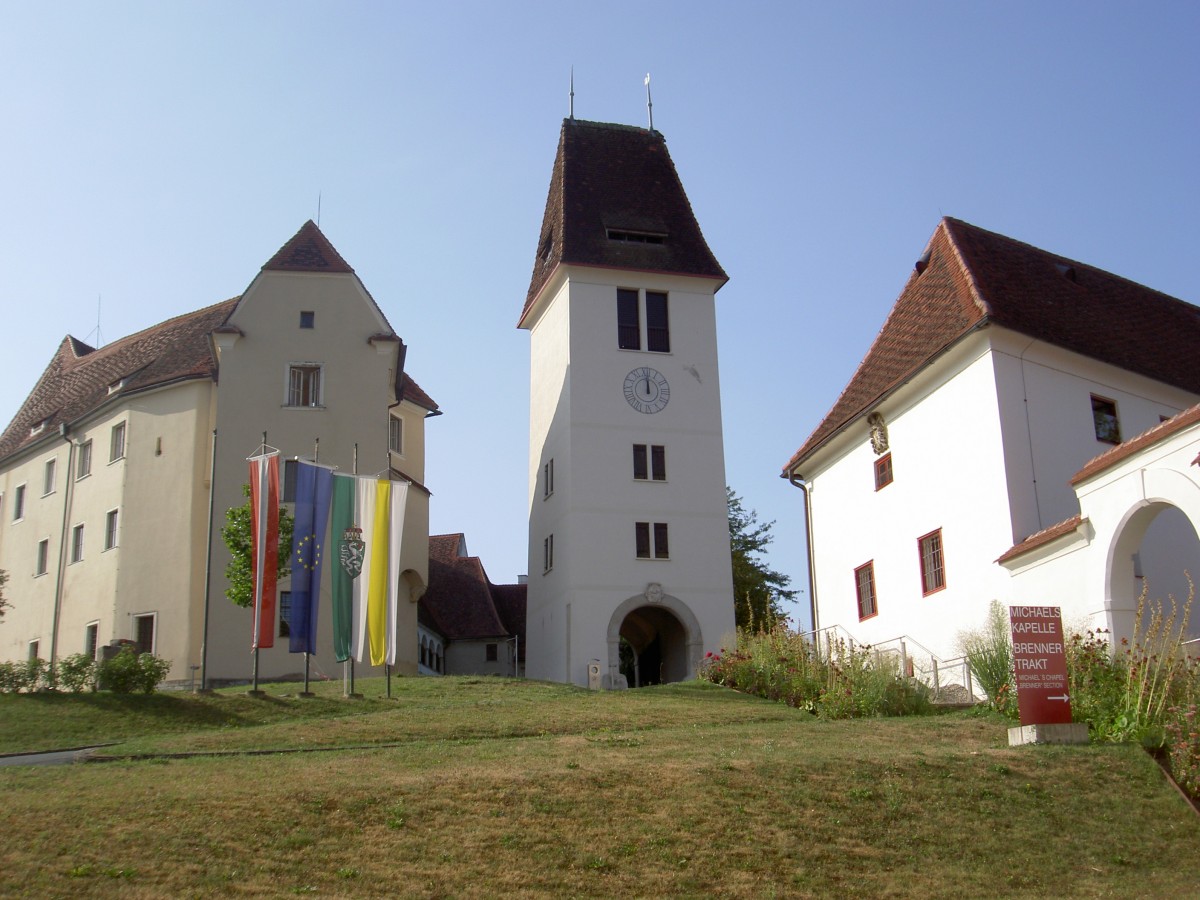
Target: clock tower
630,578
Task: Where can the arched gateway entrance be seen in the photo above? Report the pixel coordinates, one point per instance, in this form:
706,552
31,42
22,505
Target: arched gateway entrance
661,636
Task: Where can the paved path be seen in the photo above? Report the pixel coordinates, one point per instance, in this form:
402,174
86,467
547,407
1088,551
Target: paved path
52,758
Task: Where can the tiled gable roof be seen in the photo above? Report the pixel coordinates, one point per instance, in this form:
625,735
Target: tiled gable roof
411,391
77,381
1045,536
969,277
617,178
460,599
308,251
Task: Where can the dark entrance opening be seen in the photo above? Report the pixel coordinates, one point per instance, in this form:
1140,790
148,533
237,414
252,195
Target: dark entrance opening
653,647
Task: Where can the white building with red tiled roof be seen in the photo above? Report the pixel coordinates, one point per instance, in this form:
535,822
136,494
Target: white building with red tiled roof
116,472
1000,372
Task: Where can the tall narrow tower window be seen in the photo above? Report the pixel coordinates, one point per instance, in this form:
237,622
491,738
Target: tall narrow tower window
637,316
629,330
658,331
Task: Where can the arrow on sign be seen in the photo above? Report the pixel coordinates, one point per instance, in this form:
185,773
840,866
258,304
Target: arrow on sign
1064,698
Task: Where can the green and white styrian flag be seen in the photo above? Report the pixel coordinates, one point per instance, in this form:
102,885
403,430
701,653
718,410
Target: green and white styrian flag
367,529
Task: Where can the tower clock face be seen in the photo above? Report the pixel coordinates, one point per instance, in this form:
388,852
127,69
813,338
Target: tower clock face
646,390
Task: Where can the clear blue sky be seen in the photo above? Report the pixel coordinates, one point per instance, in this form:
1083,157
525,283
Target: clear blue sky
155,155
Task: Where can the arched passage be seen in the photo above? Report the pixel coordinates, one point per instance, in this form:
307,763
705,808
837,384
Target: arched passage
663,637
1152,546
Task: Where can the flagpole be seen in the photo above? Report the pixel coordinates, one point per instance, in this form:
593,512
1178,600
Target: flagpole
258,597
307,692
350,662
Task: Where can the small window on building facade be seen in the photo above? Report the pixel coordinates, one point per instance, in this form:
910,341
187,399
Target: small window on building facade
629,329
308,319
933,566
76,543
84,466
548,554
883,471
304,386
285,613
650,462
91,639
48,477
492,651
548,478
651,540
110,529
396,435
33,650
43,557
19,503
864,586
116,444
1104,416
143,632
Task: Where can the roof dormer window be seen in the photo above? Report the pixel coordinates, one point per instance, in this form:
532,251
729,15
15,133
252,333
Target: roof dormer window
115,386
635,237
39,427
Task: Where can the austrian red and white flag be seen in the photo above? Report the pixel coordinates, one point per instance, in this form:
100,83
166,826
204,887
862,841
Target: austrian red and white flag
264,544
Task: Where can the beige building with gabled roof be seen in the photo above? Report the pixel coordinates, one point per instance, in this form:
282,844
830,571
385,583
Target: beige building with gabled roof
110,468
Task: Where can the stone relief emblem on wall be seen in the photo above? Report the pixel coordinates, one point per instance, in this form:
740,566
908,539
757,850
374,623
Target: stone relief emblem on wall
654,592
879,435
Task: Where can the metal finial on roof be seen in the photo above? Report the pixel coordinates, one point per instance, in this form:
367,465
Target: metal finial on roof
318,209
571,107
649,102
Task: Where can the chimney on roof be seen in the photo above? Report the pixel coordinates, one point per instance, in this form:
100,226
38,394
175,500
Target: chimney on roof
1066,271
923,263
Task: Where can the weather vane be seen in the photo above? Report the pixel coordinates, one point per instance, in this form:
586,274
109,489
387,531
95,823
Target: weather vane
572,103
649,102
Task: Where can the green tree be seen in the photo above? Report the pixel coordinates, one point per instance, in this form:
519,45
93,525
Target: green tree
758,590
237,535
3,602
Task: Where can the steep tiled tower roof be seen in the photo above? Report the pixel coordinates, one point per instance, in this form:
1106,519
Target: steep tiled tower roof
968,278
80,379
308,251
616,200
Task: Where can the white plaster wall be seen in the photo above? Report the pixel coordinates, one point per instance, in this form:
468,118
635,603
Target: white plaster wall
470,658
579,412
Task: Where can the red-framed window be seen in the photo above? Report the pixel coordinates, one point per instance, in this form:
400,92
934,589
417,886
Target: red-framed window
933,562
883,471
864,587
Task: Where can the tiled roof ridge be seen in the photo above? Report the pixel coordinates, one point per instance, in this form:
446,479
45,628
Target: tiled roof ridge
308,250
1147,438
1045,536
947,225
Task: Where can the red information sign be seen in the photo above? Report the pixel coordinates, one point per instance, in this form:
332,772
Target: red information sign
1040,665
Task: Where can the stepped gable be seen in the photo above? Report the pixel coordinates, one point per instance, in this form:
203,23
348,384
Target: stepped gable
616,201
80,379
459,596
969,278
308,251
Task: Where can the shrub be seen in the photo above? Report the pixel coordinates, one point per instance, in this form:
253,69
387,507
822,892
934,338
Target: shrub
76,672
1183,738
989,654
23,676
843,682
129,671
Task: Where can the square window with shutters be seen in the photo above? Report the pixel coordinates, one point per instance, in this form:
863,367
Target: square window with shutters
49,476
1104,419
864,586
933,564
43,557
396,435
83,467
77,543
883,471
110,529
304,386
143,632
116,442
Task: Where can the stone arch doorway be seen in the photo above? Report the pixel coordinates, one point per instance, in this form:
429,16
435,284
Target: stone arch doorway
661,637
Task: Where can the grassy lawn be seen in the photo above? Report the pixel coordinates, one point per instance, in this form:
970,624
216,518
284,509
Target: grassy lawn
487,785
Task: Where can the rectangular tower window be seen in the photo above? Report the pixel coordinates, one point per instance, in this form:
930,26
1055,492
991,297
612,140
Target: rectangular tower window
650,462
658,331
933,566
629,328
548,478
304,386
76,543
395,434
110,529
19,503
883,471
1104,417
308,319
43,557
143,632
84,467
116,444
864,586
49,476
651,540
548,554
